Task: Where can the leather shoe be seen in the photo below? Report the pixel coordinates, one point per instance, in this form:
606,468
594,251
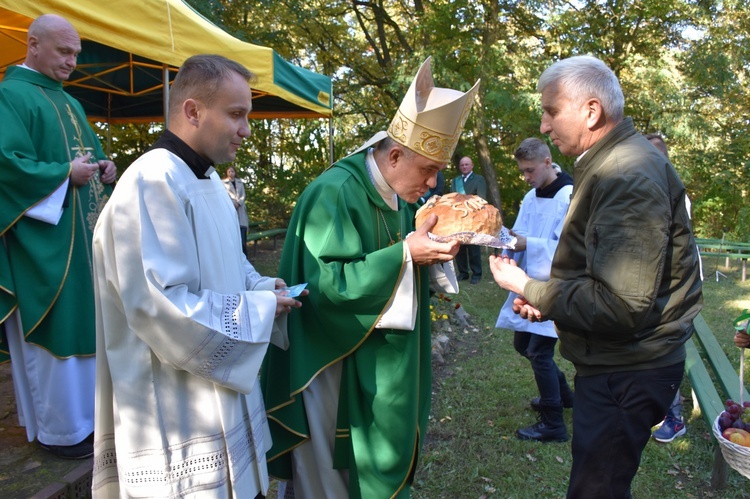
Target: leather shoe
463,277
81,450
475,279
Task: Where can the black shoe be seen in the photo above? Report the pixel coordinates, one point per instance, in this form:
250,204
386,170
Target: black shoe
475,279
543,432
463,277
536,403
81,450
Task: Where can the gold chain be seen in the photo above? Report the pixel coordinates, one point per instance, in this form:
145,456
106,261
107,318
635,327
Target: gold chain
387,231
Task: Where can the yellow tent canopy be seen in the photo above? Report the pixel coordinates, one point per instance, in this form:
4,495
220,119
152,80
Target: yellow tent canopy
131,47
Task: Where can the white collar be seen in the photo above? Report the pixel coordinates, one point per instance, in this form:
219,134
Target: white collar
385,190
23,65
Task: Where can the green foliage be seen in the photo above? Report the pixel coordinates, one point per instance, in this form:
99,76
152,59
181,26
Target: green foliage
682,65
125,143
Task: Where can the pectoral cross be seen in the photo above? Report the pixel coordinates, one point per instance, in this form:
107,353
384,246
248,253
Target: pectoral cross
80,149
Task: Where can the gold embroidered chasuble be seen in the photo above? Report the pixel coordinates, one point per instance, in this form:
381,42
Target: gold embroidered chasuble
46,269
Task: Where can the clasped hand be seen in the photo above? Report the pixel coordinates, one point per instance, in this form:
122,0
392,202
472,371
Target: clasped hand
82,170
508,276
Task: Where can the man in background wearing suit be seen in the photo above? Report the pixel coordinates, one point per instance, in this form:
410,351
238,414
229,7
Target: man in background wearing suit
469,255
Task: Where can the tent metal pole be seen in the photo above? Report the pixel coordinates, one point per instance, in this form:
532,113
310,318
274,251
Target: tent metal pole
109,125
165,91
330,140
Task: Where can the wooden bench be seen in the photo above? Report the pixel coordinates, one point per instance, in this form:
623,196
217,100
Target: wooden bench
714,380
729,250
256,224
254,237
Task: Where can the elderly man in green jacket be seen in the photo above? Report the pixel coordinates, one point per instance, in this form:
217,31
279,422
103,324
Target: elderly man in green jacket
625,282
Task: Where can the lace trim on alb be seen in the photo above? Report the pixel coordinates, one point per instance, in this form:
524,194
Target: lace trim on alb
230,324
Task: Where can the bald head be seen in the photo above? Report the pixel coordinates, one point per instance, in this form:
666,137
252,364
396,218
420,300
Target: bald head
53,47
48,23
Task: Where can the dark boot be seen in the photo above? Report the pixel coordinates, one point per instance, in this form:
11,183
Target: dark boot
549,428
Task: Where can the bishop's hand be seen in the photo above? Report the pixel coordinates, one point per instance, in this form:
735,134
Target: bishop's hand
425,251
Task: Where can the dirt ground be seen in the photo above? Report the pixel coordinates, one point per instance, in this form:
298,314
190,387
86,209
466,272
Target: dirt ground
25,468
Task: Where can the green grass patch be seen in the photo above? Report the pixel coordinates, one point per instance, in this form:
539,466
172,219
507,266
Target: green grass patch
481,395
481,398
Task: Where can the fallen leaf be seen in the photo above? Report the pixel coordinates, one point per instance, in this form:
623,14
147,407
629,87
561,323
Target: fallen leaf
530,458
559,459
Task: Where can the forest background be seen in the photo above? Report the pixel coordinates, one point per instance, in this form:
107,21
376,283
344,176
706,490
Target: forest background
684,66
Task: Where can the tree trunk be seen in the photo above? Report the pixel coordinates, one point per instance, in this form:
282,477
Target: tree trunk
483,153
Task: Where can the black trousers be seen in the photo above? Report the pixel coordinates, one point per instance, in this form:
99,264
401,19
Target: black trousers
469,255
612,419
243,237
540,350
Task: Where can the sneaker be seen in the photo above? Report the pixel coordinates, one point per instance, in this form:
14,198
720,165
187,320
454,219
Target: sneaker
670,429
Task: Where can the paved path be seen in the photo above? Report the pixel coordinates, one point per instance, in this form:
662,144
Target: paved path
25,468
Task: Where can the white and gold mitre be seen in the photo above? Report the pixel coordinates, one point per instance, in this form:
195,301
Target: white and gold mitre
430,119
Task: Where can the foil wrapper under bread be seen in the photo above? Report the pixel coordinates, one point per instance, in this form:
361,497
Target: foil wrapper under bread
503,240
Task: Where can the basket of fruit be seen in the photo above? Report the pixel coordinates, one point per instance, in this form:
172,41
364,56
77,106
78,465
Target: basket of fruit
732,426
732,431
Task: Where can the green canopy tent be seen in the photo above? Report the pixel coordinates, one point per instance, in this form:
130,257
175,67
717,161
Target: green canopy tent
131,48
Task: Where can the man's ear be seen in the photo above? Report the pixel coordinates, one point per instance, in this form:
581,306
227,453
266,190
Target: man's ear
191,108
33,45
594,113
394,154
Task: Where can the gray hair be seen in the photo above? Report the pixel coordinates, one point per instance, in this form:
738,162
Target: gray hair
584,77
388,142
532,149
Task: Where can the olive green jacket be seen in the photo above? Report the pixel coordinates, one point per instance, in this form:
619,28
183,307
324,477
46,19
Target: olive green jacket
625,282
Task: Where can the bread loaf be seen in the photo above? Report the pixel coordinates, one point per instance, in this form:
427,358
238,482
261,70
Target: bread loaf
461,213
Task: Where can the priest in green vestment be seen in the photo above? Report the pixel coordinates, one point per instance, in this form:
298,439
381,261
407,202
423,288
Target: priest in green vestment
53,185
348,400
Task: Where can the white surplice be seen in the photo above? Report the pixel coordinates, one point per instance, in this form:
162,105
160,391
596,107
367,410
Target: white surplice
541,221
183,324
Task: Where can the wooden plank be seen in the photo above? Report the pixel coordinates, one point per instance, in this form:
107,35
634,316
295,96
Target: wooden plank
738,256
709,401
254,236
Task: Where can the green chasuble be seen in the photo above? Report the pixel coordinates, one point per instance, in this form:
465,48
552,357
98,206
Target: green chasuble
338,241
45,269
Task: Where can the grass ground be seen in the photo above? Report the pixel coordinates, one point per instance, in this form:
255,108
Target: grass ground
481,398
